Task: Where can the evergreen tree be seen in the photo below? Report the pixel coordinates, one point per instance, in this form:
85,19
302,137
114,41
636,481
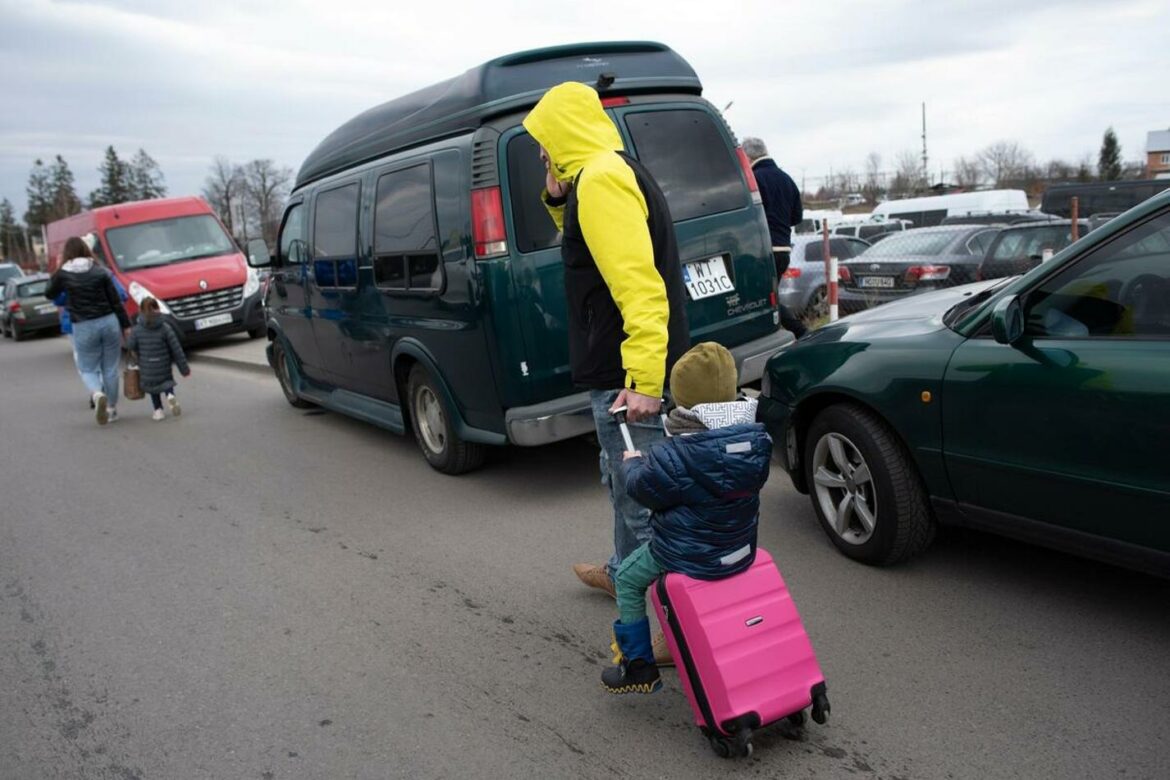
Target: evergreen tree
1109,161
40,196
65,202
115,181
145,179
9,231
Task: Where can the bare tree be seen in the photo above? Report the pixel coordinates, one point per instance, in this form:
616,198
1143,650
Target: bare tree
873,178
908,175
265,190
224,190
1060,170
968,172
1006,163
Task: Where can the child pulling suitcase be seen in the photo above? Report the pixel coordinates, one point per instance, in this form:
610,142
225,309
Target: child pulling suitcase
743,656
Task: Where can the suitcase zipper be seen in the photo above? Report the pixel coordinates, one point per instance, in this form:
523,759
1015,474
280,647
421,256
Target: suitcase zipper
687,661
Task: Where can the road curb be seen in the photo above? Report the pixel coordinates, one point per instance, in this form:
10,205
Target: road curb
227,362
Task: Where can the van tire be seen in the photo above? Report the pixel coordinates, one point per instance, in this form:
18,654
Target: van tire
431,421
280,359
257,332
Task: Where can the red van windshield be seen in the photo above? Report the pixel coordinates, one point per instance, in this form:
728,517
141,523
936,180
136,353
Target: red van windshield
167,241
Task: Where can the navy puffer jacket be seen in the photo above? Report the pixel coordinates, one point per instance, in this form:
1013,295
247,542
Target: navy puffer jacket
157,349
704,492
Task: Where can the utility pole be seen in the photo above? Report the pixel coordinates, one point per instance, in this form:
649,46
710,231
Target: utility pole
925,159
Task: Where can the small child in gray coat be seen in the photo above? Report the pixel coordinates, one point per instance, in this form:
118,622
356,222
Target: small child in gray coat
157,348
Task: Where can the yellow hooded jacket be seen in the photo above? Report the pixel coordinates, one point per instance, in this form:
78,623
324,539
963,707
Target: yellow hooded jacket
582,145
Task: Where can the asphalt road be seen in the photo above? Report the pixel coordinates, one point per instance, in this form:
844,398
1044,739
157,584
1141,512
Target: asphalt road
252,591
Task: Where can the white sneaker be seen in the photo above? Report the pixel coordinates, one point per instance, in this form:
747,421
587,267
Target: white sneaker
173,402
113,414
101,411
158,415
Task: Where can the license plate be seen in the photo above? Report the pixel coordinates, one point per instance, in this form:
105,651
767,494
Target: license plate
876,281
707,278
46,308
210,322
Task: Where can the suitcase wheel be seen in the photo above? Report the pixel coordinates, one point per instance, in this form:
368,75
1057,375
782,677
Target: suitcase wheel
738,746
796,718
820,708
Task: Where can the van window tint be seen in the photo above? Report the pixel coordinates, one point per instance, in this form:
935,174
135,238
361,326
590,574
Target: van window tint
406,248
690,159
335,237
292,236
533,226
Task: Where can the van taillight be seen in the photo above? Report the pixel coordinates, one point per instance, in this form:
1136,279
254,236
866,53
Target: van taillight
487,223
746,164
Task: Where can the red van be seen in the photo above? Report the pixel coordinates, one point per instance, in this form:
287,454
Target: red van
176,251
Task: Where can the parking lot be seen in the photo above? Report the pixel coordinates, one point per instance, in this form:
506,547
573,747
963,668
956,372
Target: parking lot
257,591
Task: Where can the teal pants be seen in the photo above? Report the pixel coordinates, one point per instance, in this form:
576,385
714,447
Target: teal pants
637,573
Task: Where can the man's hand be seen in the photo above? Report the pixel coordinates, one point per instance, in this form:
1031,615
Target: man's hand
638,406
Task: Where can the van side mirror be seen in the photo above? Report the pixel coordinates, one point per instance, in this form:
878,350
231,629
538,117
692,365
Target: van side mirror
258,254
1007,320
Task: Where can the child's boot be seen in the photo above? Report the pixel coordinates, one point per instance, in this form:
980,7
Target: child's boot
636,671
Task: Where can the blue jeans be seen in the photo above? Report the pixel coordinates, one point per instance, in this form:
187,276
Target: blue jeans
98,345
631,520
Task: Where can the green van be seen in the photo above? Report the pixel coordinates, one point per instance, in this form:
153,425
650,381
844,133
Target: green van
417,280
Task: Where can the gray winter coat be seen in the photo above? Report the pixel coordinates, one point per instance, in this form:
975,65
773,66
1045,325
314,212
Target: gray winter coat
157,348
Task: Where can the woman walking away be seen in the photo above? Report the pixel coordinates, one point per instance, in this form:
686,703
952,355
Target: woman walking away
157,348
99,322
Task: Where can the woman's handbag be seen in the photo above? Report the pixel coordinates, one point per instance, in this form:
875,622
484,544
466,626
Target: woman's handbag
132,381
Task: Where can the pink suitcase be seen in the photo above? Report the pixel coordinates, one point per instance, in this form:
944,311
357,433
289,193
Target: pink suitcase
743,656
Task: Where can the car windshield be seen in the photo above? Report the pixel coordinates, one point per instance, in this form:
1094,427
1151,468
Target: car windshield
167,241
1031,242
914,243
32,289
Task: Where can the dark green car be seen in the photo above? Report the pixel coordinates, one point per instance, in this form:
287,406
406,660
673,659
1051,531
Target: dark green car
1037,407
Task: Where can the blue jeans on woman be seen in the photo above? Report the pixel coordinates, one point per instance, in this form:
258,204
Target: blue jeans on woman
98,345
631,520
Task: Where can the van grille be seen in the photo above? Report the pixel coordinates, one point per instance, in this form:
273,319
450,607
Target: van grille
201,304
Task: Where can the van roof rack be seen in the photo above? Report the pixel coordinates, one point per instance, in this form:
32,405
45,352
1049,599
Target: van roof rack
510,83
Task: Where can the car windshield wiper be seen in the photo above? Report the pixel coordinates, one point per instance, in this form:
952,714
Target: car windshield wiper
967,304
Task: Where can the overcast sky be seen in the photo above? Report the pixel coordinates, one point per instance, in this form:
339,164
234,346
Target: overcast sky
824,83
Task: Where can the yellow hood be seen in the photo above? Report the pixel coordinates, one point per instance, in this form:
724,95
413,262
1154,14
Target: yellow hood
571,125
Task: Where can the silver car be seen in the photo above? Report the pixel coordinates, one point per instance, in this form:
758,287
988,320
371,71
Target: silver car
802,287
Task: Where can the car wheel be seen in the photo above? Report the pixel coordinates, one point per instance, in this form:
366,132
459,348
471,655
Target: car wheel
818,305
257,332
17,333
284,375
431,421
865,489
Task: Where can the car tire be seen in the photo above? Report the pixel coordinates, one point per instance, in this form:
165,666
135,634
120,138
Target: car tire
281,361
817,306
257,332
16,332
433,430
888,518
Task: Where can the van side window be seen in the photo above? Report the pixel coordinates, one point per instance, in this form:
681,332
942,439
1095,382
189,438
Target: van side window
691,160
292,236
406,248
335,237
533,226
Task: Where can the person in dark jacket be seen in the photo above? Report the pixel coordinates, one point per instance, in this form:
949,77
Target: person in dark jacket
702,486
783,209
67,324
99,322
155,346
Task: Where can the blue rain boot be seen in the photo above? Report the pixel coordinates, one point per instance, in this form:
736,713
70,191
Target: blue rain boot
635,671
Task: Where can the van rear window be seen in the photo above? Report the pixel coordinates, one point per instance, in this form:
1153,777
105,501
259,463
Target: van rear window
533,226
690,159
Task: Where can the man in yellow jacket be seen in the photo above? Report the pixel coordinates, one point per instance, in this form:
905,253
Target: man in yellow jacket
623,283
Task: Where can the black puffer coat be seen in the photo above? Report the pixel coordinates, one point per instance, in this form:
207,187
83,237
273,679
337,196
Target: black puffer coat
90,292
157,348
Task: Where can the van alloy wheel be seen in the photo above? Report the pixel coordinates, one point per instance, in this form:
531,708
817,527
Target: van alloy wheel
434,427
431,425
284,377
844,487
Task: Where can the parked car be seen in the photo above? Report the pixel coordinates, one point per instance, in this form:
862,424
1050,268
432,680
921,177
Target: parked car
1100,197
1018,249
176,251
912,262
24,309
9,270
933,209
802,286
418,279
1000,218
1037,407
871,232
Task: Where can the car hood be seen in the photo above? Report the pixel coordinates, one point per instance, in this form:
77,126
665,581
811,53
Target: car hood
181,279
923,306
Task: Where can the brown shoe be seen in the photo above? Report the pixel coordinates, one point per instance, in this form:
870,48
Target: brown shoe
595,576
661,651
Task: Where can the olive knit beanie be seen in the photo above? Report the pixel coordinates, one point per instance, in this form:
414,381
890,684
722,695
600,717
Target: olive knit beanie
704,375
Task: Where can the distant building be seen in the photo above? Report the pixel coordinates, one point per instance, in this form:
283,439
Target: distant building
1158,154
